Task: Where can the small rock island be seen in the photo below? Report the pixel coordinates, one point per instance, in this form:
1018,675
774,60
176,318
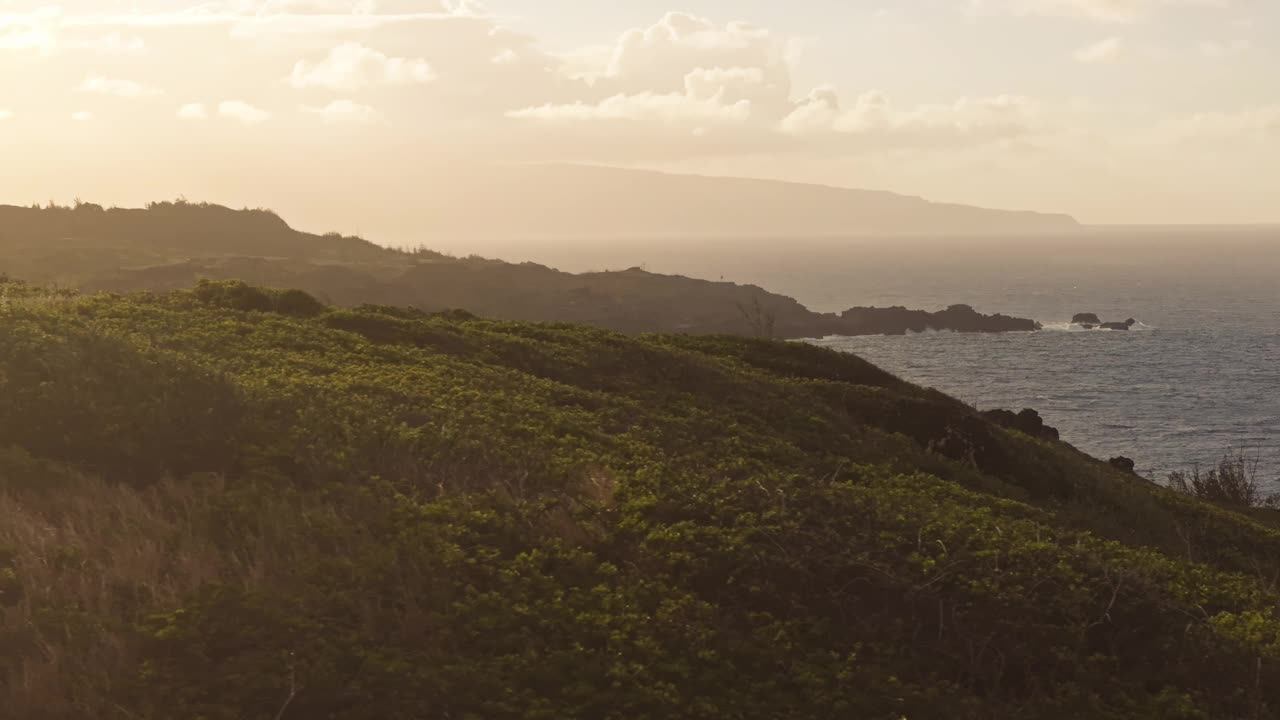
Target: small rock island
1090,321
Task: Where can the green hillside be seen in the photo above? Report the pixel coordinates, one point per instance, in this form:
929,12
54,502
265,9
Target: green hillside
233,503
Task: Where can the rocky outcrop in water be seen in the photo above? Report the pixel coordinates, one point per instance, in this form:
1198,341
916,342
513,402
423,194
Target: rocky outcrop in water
1119,325
900,321
1090,321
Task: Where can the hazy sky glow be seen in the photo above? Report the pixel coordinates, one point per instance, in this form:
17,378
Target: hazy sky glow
334,110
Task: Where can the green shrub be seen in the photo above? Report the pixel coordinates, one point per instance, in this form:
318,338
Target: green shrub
1233,481
232,503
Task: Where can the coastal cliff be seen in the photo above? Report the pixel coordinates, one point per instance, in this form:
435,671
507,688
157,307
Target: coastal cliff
172,246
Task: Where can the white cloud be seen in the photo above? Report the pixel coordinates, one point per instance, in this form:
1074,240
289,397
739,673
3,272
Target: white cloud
1112,11
1215,49
44,31
1241,125
82,116
193,111
682,77
243,111
688,86
506,57
114,86
874,122
660,58
33,32
6,115
344,111
717,96
351,66
1105,51
670,108
113,43
250,18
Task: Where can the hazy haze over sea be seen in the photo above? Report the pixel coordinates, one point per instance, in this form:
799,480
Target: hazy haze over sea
1202,376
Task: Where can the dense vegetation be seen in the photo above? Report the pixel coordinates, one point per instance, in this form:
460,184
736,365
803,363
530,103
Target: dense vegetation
174,245
235,503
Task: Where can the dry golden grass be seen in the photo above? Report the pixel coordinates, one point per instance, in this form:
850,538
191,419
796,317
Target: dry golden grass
101,550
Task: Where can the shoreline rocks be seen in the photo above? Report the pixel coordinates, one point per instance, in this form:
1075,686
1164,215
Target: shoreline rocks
1090,321
899,320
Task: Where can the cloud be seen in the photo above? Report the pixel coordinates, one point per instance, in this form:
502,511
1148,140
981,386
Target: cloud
874,121
113,43
1105,51
1109,11
47,30
684,84
100,85
687,86
506,56
32,32
243,112
1215,49
661,57
82,116
669,109
254,18
5,114
351,66
344,111
719,94
1243,125
193,111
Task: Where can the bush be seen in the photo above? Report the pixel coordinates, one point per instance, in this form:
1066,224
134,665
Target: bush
237,295
1233,482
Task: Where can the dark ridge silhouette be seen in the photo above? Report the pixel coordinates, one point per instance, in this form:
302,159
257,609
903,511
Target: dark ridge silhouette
174,245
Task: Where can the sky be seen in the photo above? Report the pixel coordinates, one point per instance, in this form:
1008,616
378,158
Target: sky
336,111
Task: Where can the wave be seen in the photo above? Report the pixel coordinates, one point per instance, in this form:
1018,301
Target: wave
1076,327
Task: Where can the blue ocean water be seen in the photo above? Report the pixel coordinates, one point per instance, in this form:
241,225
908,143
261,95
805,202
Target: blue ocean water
1199,377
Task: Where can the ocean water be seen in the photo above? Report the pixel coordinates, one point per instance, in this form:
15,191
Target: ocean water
1199,376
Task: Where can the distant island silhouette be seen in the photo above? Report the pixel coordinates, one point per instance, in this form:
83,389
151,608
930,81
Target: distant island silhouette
580,201
174,245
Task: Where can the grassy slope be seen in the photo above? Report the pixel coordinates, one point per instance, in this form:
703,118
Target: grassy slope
234,503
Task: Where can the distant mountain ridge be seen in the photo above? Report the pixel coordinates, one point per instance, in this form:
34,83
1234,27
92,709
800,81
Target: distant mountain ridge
581,200
171,246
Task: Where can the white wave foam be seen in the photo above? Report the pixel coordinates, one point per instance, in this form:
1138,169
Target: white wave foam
1076,327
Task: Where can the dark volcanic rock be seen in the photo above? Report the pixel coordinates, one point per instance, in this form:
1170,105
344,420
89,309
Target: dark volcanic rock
1119,326
899,321
1028,421
1091,321
1123,464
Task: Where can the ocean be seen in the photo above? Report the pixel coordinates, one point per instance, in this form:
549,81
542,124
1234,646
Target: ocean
1198,377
